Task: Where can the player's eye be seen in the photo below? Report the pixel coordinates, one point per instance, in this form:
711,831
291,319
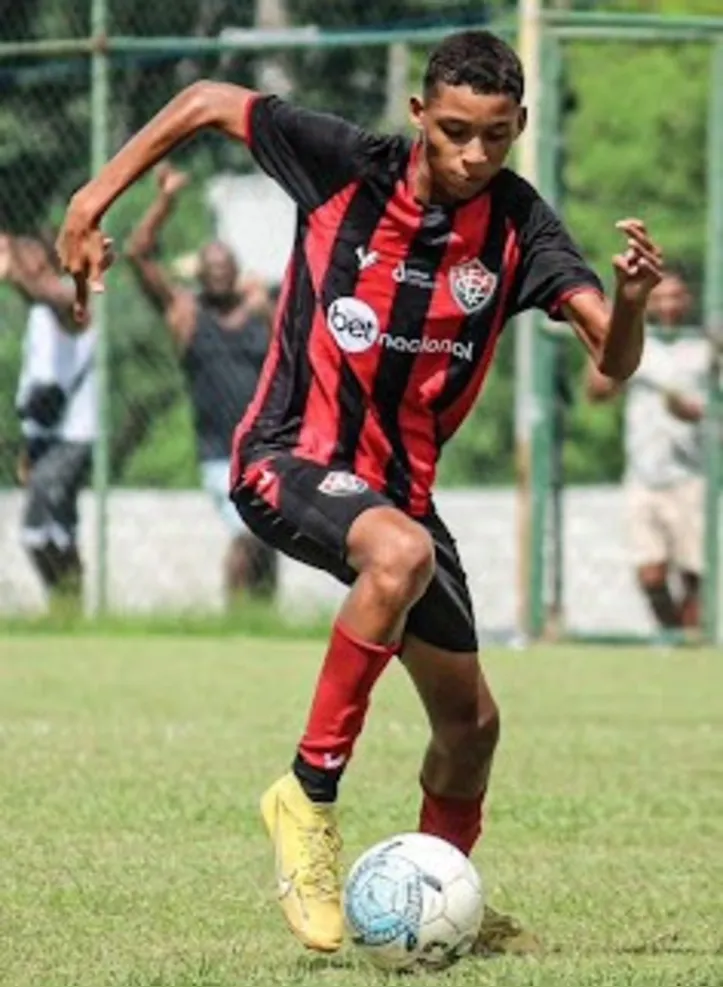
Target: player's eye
455,131
496,136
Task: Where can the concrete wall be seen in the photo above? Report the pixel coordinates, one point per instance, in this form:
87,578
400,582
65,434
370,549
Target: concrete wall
166,549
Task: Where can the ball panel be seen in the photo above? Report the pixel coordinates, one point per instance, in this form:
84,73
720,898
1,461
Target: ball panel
413,900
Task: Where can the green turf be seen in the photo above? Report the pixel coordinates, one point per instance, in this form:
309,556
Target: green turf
132,855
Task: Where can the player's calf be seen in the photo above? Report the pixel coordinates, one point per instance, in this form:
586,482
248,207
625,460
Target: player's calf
455,775
460,753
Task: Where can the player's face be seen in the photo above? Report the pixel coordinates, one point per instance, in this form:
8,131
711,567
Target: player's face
467,137
218,272
670,301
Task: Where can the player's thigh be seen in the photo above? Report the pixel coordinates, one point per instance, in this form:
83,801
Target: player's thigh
305,510
687,522
440,648
647,537
444,616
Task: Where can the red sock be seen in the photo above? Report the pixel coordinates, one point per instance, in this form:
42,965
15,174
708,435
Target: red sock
347,677
458,821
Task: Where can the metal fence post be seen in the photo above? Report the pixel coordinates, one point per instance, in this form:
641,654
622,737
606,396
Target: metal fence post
713,319
101,459
544,344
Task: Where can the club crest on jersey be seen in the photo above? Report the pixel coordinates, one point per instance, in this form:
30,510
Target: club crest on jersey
472,285
339,483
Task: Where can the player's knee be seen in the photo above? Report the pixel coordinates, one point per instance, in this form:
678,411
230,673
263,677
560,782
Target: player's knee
472,737
402,567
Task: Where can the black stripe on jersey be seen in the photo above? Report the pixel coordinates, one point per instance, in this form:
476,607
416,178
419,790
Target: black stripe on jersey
477,328
286,396
363,215
409,319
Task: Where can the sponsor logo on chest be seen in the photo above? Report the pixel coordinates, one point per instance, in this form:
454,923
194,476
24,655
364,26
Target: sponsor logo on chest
355,327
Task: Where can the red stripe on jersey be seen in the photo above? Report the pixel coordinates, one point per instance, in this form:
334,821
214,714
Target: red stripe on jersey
379,290
416,419
248,130
319,429
579,289
264,481
452,417
266,376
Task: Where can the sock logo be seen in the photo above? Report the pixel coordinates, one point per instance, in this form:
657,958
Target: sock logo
332,762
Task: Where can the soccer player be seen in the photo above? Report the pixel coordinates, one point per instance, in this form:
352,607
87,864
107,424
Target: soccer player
221,335
409,257
665,403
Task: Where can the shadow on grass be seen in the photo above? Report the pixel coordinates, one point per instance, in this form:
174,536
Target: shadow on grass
319,963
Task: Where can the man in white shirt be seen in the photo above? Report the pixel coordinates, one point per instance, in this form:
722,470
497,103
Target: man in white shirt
57,404
664,410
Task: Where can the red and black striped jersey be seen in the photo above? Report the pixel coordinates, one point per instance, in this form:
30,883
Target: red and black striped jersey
390,310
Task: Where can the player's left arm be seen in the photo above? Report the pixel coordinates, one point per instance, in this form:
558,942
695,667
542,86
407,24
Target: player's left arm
614,331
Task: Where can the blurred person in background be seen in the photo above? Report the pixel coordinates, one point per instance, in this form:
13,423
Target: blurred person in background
56,402
221,334
665,491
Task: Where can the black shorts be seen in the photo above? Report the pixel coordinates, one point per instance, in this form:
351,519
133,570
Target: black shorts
306,510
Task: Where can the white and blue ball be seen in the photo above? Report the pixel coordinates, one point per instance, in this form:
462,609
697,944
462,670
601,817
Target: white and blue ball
413,901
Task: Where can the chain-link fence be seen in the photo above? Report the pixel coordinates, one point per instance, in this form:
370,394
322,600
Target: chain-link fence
655,90
79,79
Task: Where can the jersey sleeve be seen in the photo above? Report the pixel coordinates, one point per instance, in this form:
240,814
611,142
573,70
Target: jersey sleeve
311,155
551,268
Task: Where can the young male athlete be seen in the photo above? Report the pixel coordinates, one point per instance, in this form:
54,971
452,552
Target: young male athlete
409,258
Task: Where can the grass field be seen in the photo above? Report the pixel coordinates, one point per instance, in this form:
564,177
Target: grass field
132,855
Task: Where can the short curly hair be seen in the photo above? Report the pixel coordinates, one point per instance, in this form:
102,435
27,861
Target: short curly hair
478,59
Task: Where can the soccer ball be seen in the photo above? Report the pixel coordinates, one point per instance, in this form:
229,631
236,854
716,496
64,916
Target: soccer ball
413,901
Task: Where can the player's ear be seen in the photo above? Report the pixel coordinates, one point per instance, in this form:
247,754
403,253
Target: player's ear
521,120
416,112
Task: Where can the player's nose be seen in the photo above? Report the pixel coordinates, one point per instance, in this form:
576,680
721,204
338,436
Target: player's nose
474,157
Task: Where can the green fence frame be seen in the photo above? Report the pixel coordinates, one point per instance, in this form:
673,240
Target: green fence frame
556,27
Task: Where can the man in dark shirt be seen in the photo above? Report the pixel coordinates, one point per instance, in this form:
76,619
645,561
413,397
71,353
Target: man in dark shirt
409,258
221,334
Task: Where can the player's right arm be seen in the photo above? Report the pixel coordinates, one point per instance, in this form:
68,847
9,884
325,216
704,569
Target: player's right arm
311,155
203,104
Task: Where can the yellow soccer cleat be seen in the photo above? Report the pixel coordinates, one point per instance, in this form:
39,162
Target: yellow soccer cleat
502,934
307,846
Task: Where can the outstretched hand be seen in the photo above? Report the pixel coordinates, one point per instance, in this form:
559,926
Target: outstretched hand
640,267
170,180
86,254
